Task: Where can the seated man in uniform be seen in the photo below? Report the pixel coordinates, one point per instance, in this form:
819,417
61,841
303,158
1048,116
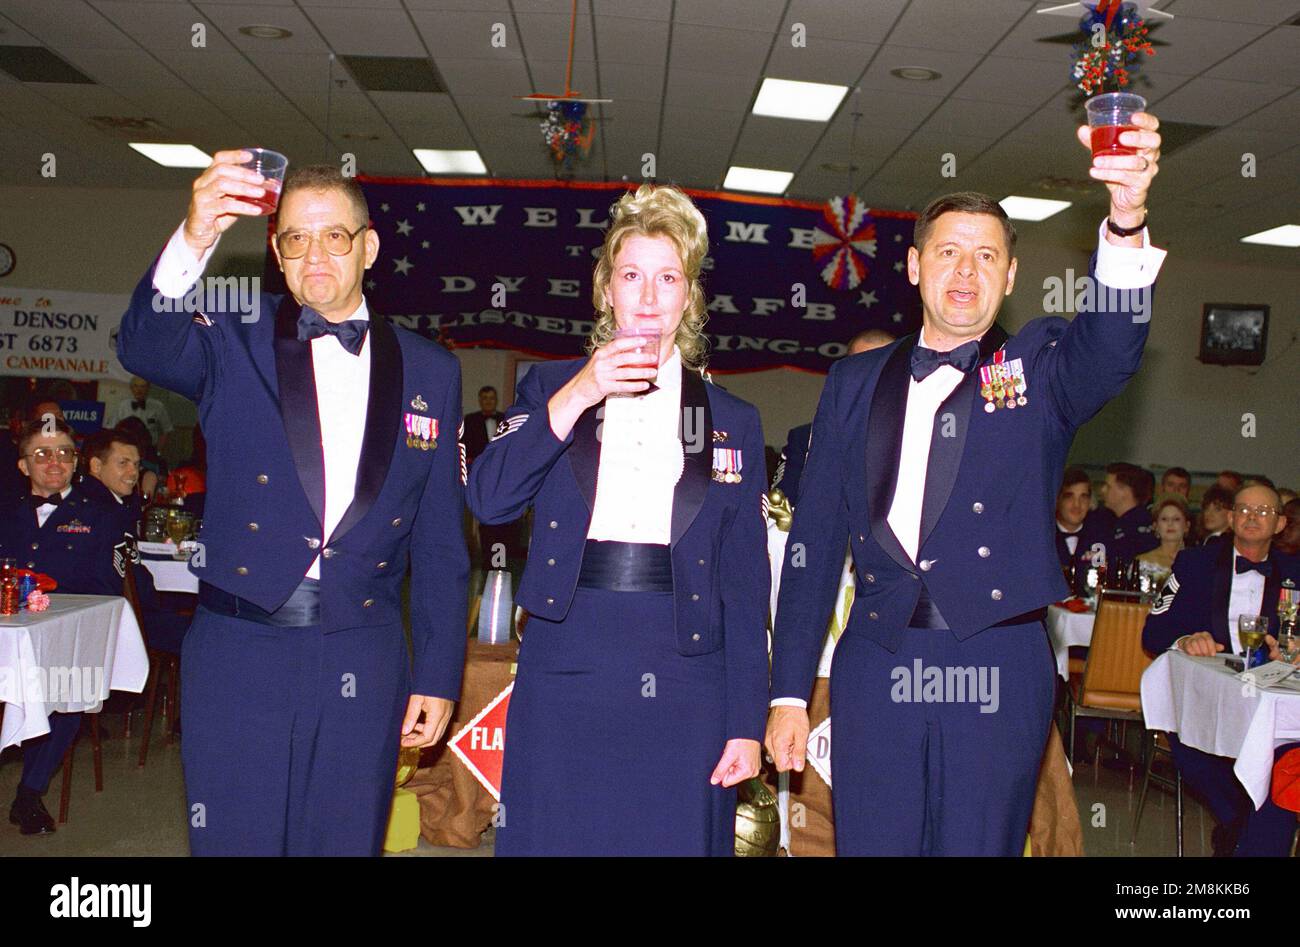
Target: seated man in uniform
1124,514
55,528
1197,613
113,461
1077,527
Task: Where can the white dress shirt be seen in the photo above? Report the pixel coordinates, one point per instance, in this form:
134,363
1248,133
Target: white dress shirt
1118,267
641,460
1071,536
1247,598
342,387
45,509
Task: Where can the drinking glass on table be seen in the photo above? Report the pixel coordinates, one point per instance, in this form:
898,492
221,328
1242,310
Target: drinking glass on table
1251,630
1288,647
647,355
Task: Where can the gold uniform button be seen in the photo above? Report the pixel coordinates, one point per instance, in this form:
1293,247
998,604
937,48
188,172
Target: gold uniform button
977,507
31,565
996,594
312,541
695,637
701,562
870,577
397,521
382,565
241,570
984,552
327,553
873,615
263,478
36,545
554,524
695,597
367,603
550,601
861,538
253,527
925,564
550,562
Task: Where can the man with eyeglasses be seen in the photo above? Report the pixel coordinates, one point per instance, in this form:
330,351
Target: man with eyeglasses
333,462
1197,611
55,528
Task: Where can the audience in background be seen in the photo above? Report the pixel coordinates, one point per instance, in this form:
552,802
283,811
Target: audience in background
1127,520
1077,527
152,468
1230,480
1288,541
1216,513
149,410
1176,481
1172,524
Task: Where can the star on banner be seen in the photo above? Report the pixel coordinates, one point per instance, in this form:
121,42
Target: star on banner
420,207
370,285
384,208
898,267
403,227
897,317
424,244
867,299
402,264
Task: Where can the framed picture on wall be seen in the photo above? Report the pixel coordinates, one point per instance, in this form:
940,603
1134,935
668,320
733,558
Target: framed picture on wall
516,368
1234,334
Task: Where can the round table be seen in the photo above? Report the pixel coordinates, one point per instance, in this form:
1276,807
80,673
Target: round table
1210,708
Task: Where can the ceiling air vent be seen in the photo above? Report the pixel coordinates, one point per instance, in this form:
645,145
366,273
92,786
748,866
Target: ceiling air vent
38,64
394,74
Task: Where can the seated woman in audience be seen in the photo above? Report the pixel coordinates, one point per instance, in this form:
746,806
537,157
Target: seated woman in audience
1288,541
1172,522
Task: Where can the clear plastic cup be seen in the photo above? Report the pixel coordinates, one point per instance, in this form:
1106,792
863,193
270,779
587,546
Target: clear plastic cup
271,165
647,356
1109,116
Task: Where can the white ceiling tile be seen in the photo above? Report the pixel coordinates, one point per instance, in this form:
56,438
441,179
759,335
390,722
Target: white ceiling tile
952,67
982,119
631,42
714,49
1016,81
206,69
467,35
1274,58
546,36
837,62
628,83
731,93
1268,12
502,77
759,15
352,32
958,25
1214,101
67,24
230,17
854,22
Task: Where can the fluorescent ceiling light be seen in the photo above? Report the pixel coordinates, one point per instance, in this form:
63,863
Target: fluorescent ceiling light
757,179
809,101
1288,235
437,161
173,156
1031,208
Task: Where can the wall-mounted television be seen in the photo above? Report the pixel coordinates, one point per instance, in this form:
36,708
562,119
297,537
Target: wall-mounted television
1234,334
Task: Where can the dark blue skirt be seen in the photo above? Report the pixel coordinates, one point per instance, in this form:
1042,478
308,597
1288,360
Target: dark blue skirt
612,736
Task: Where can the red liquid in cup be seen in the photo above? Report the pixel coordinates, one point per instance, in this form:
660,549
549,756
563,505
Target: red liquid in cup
270,197
1105,140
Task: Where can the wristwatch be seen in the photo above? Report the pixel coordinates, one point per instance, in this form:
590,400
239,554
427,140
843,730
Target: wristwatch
1125,231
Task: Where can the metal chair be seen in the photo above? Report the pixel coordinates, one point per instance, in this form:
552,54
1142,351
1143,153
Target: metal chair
1159,745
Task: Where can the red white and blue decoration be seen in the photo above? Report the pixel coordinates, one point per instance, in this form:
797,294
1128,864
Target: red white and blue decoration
842,251
568,130
1110,66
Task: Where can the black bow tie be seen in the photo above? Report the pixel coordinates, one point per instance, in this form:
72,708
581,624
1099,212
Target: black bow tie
38,502
1244,565
925,361
137,405
351,333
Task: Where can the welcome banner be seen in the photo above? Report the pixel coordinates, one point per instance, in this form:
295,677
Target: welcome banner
508,264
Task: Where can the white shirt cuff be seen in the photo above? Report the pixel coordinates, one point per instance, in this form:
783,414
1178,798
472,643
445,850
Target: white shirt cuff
789,702
1127,267
177,268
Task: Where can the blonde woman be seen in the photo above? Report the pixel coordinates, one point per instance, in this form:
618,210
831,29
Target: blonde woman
1172,522
641,692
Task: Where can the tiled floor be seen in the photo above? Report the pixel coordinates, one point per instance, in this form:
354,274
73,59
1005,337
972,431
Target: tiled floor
142,811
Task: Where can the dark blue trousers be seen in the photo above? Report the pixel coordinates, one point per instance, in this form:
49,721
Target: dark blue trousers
291,736
42,755
916,775
1267,831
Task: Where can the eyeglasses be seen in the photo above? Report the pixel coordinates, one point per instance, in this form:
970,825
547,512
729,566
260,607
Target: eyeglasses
65,455
294,244
1260,511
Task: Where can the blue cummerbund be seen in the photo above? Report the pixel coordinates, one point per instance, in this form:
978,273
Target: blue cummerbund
626,567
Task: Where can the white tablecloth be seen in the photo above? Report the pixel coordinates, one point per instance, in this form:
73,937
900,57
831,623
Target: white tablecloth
1202,701
171,575
66,659
1068,629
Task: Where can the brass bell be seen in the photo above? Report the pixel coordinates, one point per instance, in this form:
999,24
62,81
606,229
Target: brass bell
758,825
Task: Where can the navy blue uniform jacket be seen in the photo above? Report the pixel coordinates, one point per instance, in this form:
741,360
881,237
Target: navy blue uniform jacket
1195,596
721,579
254,386
83,545
987,550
